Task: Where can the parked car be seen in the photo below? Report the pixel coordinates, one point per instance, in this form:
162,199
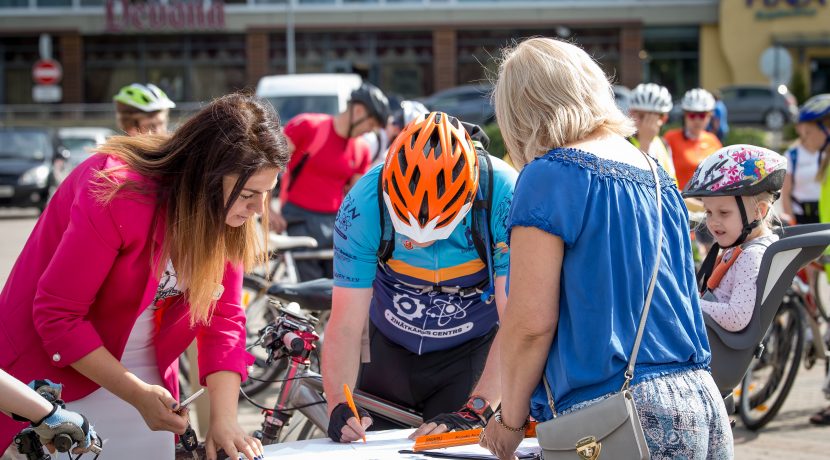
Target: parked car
470,103
759,104
81,142
32,164
308,93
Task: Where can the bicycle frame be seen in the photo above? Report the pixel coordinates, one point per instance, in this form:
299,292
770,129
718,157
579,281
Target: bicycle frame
303,391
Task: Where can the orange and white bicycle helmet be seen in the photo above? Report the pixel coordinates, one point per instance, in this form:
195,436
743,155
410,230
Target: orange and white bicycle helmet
430,177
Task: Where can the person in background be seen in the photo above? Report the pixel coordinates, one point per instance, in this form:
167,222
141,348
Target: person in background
692,143
802,186
719,125
140,251
142,109
328,155
649,108
583,232
814,117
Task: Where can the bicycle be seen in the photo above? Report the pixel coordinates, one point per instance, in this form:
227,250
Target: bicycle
280,274
292,336
770,376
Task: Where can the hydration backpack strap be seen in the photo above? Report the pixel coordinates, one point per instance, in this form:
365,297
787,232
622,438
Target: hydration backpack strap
387,230
482,211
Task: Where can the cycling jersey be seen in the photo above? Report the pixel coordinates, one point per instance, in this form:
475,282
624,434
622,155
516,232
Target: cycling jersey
688,153
405,307
659,151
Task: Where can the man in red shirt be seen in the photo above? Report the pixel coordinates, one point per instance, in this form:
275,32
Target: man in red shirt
692,143
328,156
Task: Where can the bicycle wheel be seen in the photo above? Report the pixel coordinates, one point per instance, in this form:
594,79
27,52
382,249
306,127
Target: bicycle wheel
257,315
770,378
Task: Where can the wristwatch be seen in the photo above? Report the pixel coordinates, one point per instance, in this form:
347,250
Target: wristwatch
480,406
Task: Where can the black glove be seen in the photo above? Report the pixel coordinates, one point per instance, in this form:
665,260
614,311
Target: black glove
339,418
462,419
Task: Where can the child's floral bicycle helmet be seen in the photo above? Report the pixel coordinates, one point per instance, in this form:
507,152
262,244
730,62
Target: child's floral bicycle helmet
738,170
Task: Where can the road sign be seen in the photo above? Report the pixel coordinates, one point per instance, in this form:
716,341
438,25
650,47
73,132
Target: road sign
777,65
47,93
47,72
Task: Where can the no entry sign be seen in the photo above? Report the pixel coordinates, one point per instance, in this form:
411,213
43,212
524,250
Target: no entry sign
47,72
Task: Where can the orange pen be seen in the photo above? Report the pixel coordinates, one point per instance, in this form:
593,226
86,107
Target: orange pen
350,402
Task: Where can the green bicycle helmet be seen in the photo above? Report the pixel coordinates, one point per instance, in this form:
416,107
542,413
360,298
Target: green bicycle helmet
147,98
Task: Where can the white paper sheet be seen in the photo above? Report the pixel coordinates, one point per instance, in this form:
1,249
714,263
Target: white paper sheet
380,445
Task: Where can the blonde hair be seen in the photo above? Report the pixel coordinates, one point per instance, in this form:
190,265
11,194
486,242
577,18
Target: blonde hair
550,93
771,219
236,135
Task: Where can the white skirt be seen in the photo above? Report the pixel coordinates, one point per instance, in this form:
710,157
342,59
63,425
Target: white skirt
120,425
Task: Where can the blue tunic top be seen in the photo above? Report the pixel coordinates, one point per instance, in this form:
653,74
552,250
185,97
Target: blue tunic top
605,212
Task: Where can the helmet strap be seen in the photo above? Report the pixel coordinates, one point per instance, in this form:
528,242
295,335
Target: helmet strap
748,226
353,124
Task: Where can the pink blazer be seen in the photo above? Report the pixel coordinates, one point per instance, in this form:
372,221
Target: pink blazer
81,281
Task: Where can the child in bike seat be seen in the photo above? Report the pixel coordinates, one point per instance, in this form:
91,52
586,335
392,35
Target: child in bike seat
738,186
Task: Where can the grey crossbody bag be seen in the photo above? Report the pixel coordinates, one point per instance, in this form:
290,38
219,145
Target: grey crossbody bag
610,426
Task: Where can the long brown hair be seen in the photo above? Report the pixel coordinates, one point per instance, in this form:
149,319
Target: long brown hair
237,135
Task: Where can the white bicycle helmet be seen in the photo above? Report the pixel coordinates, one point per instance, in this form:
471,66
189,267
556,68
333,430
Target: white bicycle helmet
651,97
698,100
147,98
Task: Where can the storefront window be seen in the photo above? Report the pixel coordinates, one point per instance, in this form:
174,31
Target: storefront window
400,63
672,55
54,3
14,3
17,55
194,67
478,49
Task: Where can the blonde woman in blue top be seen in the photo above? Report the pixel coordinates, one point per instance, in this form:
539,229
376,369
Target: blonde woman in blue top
583,235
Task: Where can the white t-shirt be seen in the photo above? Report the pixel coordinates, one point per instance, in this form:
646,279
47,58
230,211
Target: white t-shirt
805,185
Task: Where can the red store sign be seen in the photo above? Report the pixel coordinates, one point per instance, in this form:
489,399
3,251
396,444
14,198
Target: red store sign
175,15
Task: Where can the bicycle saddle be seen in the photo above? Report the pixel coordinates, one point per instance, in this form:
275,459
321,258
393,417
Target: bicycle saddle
312,295
279,242
732,352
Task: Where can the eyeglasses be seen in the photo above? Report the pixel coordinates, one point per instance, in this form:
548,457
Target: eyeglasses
698,115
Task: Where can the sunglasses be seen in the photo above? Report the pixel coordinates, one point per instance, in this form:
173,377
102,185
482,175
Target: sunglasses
698,115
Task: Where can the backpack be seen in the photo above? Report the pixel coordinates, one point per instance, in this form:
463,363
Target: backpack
480,227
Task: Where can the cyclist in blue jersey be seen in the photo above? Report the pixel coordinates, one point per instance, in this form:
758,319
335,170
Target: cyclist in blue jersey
421,252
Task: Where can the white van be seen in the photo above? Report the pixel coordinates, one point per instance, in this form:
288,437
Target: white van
308,93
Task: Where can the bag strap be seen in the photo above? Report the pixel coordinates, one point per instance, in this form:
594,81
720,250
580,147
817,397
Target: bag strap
320,138
629,371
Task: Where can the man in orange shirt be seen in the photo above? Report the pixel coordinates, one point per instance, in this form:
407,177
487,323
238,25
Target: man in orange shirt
692,143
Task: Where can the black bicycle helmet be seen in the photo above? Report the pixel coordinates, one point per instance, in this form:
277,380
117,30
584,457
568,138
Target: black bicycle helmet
374,100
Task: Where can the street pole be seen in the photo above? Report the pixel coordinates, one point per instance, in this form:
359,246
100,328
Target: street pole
289,38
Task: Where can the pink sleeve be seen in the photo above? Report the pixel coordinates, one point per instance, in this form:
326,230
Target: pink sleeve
735,314
222,343
70,283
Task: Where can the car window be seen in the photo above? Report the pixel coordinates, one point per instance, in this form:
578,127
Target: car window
30,145
290,106
80,148
729,93
758,93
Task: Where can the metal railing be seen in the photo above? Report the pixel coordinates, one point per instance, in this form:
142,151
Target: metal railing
55,115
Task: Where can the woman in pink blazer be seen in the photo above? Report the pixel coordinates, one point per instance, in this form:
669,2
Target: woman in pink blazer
140,251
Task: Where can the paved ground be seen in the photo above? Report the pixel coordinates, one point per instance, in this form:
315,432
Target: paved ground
788,436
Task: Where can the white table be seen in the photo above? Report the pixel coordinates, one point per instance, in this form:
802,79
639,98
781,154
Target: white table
380,445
